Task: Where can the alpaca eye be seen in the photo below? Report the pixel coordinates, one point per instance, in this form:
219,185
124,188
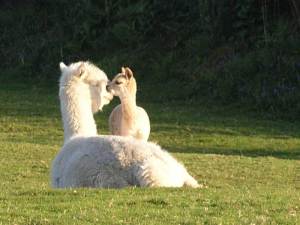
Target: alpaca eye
118,82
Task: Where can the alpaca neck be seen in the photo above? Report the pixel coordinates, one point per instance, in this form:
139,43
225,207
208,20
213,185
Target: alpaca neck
76,112
128,105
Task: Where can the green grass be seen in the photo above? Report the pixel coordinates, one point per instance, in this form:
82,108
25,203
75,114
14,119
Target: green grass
249,166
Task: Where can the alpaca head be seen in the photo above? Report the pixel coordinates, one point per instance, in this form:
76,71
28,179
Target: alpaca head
123,83
86,78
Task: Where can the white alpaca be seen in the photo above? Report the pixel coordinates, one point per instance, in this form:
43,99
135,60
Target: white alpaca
127,119
79,92
106,161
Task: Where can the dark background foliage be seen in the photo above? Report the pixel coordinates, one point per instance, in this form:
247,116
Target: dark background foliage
243,52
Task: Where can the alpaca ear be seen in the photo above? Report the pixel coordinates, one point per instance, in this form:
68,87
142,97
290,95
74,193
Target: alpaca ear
62,66
123,70
128,73
80,70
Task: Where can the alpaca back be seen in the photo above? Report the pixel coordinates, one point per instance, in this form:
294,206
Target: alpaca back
80,164
138,127
113,161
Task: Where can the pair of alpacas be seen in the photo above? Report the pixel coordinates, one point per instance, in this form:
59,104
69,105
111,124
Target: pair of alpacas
105,161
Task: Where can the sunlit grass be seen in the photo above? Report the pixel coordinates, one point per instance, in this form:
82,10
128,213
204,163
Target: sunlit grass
249,166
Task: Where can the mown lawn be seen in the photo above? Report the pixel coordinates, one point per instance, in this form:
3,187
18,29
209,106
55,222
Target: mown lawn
250,167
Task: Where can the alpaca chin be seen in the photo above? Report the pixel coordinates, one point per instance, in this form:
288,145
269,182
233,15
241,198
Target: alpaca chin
105,101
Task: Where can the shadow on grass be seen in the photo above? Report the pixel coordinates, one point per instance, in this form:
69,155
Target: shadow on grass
230,127
293,154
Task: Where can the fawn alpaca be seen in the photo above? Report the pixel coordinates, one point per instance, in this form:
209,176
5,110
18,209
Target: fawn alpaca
127,119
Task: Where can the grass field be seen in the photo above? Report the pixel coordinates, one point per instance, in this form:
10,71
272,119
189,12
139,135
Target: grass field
250,167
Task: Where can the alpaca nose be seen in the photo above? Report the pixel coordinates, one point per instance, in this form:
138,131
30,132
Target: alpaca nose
107,88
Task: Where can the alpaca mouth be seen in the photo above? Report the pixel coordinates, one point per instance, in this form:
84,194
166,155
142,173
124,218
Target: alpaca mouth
109,96
110,91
